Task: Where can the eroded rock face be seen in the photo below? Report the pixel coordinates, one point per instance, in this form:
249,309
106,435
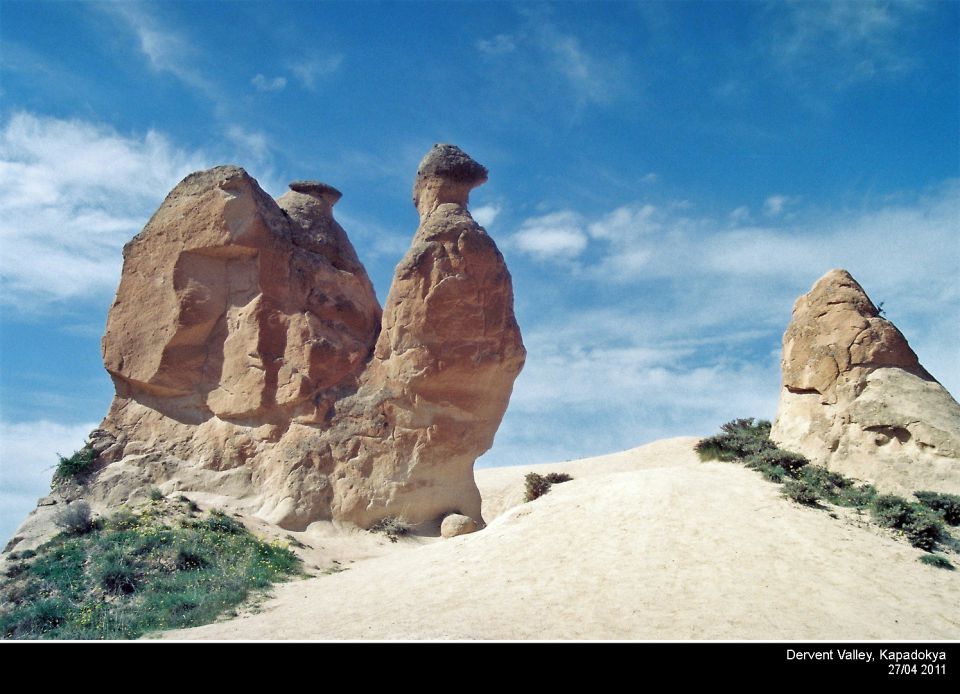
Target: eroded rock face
445,361
855,398
252,361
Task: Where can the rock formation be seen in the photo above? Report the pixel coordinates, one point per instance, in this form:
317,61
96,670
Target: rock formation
251,359
855,398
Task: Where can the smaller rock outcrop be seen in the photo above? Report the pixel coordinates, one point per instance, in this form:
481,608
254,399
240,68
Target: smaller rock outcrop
855,397
456,524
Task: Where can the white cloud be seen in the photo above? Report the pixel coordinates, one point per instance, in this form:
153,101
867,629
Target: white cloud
486,214
71,194
253,145
309,70
650,178
774,205
691,336
498,45
626,223
268,84
556,236
28,455
541,49
845,41
741,215
165,49
592,77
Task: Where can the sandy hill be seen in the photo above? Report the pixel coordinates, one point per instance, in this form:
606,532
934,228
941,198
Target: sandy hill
645,544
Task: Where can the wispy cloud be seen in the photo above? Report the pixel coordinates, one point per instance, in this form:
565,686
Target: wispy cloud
685,330
558,236
252,145
844,41
740,215
774,205
71,194
165,48
310,70
498,45
541,48
748,276
486,214
268,84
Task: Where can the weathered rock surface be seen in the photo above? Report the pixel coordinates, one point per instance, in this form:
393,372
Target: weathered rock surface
855,398
252,362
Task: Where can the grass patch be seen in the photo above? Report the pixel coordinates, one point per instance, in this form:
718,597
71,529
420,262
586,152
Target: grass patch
393,527
937,560
138,573
76,467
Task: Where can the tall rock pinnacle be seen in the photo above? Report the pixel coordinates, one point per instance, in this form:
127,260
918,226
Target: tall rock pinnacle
252,361
855,398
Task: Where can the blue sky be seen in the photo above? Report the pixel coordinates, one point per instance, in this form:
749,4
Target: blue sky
665,179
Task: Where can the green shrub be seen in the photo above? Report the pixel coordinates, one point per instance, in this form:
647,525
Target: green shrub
75,518
123,519
189,559
77,466
191,506
786,460
220,522
921,526
392,526
835,488
116,573
775,464
536,486
557,477
156,494
738,439
947,504
799,491
35,619
937,560
16,569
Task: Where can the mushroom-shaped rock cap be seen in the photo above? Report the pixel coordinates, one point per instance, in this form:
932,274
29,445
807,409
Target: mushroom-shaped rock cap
446,175
316,189
452,163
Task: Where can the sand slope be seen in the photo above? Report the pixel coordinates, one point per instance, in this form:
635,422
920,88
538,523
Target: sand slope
645,544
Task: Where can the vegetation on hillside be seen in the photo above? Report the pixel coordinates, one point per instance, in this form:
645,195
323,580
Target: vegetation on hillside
921,522
163,566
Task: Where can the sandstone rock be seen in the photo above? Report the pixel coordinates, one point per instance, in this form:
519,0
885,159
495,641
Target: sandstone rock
855,398
445,361
456,524
251,358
